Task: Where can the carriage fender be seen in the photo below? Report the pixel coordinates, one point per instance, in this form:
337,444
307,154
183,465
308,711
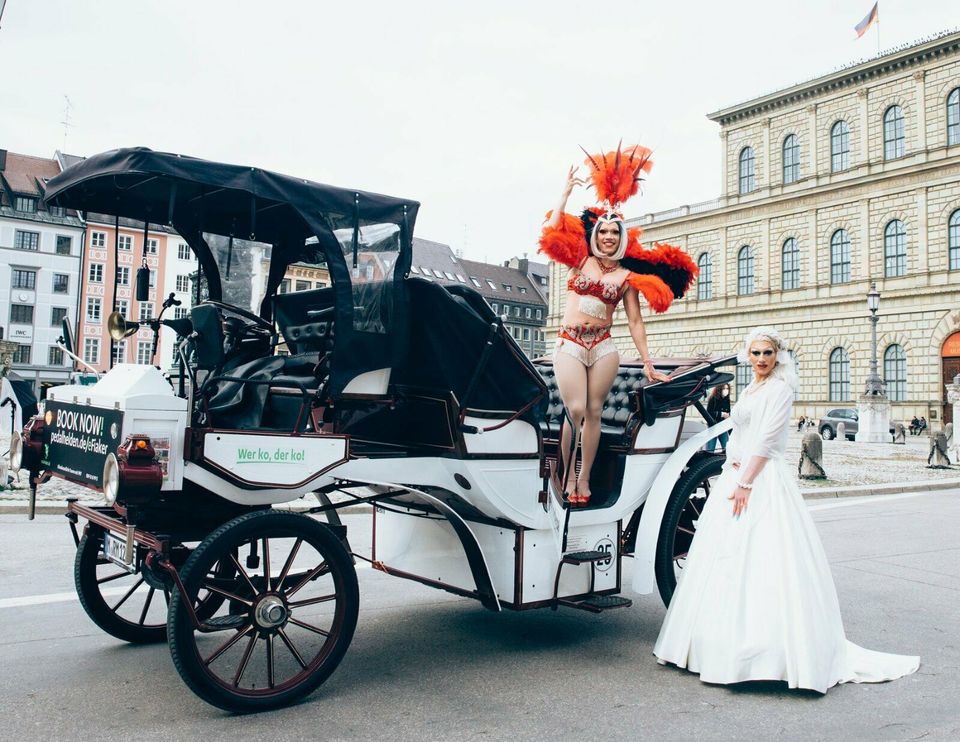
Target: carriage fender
486,591
648,531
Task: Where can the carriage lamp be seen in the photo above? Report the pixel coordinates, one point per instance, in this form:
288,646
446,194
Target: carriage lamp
26,448
16,452
133,474
111,479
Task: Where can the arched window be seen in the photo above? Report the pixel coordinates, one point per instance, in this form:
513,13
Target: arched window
953,117
705,279
791,159
839,146
894,249
839,375
747,182
895,373
893,141
745,271
791,264
839,257
953,241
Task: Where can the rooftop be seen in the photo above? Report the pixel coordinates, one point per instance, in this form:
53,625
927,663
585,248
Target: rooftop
897,58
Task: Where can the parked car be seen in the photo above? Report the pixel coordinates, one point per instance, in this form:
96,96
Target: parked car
829,422
846,415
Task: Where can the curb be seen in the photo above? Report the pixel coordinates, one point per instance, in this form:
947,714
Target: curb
880,489
59,507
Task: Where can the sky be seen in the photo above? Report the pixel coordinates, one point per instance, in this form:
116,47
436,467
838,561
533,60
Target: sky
474,109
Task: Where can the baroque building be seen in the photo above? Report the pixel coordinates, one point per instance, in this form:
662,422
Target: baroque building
830,185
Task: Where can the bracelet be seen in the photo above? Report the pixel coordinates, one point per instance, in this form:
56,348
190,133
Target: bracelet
745,486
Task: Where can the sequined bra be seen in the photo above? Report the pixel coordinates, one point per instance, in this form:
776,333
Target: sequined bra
586,286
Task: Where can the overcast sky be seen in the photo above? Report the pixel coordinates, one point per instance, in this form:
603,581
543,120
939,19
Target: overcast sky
474,109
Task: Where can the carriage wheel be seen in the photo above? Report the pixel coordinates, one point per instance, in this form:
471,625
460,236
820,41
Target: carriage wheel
680,518
131,607
122,604
289,617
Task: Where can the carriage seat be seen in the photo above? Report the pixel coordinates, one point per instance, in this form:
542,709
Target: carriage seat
620,415
632,401
315,336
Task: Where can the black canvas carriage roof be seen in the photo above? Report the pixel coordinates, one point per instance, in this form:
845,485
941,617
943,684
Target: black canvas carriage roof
164,188
296,216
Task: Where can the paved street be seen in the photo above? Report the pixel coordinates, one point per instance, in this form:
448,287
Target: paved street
425,665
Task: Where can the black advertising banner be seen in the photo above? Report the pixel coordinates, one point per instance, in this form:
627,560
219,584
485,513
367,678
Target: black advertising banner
77,440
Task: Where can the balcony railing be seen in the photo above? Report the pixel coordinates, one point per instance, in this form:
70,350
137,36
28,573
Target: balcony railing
679,211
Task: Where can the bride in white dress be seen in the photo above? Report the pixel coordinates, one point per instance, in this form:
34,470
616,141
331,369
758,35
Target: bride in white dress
756,600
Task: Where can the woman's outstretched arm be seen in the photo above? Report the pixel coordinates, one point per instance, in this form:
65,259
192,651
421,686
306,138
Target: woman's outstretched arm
631,303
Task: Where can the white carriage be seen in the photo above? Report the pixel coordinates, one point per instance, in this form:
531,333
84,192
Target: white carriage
393,391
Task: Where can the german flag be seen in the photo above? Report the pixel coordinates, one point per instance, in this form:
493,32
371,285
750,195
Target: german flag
862,26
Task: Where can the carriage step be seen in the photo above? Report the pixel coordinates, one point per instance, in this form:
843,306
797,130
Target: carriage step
222,623
585,557
598,603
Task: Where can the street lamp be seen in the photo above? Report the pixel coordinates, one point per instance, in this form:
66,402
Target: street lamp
874,386
873,407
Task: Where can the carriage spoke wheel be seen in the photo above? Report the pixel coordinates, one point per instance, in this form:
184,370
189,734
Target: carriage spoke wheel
680,518
131,607
289,612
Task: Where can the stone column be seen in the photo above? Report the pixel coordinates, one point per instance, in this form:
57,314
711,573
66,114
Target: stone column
722,267
863,97
767,158
864,242
923,268
812,250
723,164
812,140
766,280
921,103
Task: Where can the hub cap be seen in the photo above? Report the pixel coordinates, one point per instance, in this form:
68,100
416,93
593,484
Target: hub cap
271,612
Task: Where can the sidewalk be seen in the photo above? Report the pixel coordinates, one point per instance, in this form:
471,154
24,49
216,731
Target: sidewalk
853,470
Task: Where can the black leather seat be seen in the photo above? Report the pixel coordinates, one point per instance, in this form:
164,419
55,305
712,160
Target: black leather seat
620,416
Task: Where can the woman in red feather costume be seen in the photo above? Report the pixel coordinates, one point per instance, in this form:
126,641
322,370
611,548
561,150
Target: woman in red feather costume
608,265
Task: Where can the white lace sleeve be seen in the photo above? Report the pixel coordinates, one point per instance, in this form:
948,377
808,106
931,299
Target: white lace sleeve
769,437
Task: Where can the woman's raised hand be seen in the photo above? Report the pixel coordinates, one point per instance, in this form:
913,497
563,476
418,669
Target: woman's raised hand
572,180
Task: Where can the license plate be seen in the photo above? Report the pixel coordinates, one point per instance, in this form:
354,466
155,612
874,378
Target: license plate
115,549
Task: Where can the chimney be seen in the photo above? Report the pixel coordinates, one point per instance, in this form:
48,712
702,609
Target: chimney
3,159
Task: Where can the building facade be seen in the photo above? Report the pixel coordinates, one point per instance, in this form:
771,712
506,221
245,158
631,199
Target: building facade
40,254
111,260
830,186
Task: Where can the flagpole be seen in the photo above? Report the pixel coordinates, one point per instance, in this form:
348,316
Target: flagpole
878,34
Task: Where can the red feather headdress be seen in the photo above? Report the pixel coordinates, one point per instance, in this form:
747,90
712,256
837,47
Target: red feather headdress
616,175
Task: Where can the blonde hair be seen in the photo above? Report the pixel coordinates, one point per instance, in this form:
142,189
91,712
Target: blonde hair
785,368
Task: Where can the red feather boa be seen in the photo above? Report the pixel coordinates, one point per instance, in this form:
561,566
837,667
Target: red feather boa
654,290
566,243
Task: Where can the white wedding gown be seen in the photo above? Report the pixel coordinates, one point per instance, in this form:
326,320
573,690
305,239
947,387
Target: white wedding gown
756,600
